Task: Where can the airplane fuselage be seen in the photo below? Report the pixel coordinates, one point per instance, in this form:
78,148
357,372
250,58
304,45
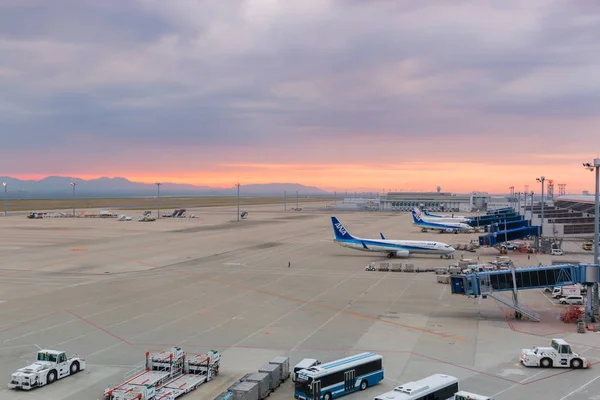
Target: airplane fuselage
391,246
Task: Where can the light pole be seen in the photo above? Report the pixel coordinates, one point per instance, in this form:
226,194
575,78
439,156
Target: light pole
296,200
158,197
531,194
5,196
285,200
238,201
591,167
542,179
73,184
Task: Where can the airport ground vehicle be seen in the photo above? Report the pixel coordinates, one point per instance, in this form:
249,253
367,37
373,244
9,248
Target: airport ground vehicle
436,386
340,377
166,375
573,299
558,355
49,366
557,252
462,395
587,246
304,364
563,291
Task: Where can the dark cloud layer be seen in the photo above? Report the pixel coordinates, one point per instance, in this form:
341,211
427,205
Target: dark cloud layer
284,73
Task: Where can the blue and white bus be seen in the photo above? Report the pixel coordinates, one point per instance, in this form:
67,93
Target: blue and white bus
434,387
338,378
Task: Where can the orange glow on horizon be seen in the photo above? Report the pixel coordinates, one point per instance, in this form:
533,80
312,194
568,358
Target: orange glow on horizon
461,177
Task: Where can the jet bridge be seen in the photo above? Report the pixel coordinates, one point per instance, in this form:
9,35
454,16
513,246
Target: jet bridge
488,282
494,238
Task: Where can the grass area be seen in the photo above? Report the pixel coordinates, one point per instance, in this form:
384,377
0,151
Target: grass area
147,203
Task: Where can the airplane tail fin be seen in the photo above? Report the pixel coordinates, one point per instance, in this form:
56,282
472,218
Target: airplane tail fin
340,231
416,216
382,235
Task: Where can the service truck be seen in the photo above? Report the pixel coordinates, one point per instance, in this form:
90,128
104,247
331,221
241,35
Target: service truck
563,291
558,355
49,366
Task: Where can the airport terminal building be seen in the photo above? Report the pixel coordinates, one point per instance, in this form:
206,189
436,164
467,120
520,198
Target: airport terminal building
434,201
565,216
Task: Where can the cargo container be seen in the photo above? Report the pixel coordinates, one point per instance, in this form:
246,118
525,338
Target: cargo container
245,391
285,366
264,383
274,371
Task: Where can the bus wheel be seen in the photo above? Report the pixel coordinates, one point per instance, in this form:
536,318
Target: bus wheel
363,385
327,396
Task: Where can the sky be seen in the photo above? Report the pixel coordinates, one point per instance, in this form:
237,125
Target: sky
339,94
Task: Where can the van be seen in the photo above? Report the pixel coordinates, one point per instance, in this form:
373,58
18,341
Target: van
571,300
304,364
557,252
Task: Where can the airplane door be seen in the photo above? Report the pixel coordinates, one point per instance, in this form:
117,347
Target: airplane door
317,390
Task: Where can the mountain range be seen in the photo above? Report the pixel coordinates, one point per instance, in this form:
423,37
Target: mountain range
60,186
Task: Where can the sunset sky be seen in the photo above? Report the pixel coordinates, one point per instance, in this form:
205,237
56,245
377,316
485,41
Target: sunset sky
342,95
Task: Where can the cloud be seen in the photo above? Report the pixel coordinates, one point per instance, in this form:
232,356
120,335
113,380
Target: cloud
298,82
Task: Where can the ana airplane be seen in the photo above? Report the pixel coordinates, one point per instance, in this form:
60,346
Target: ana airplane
455,218
442,226
393,248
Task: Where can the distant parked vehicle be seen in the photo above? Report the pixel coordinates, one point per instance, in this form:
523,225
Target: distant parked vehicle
574,299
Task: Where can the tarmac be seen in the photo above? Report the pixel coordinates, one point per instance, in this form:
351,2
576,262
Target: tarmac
110,291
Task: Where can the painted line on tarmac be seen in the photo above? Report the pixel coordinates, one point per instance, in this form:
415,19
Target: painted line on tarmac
199,311
579,388
40,267
521,383
98,327
293,310
307,302
28,321
339,312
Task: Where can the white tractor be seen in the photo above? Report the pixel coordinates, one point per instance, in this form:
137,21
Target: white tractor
50,366
559,355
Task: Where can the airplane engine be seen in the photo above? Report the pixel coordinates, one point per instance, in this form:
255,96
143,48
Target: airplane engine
402,253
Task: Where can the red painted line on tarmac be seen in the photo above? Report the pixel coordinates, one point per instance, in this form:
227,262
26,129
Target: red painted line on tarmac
98,327
28,321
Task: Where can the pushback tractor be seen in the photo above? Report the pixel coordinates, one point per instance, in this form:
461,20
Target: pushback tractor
49,366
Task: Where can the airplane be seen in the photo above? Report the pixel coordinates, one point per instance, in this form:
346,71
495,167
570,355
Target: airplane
439,219
456,218
442,226
393,248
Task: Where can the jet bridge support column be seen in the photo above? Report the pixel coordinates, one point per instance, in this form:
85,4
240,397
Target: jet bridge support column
518,315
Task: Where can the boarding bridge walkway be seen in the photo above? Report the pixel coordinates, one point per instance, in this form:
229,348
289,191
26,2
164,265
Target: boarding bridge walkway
487,283
496,227
524,278
494,238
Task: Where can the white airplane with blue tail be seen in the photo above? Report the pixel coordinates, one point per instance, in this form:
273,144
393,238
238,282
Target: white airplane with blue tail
447,218
442,225
393,248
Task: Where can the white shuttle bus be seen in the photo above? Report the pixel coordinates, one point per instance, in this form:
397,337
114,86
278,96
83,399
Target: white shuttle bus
438,386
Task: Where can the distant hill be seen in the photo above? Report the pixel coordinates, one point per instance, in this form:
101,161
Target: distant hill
60,186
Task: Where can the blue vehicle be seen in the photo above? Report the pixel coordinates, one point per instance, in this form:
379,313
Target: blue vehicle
338,378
